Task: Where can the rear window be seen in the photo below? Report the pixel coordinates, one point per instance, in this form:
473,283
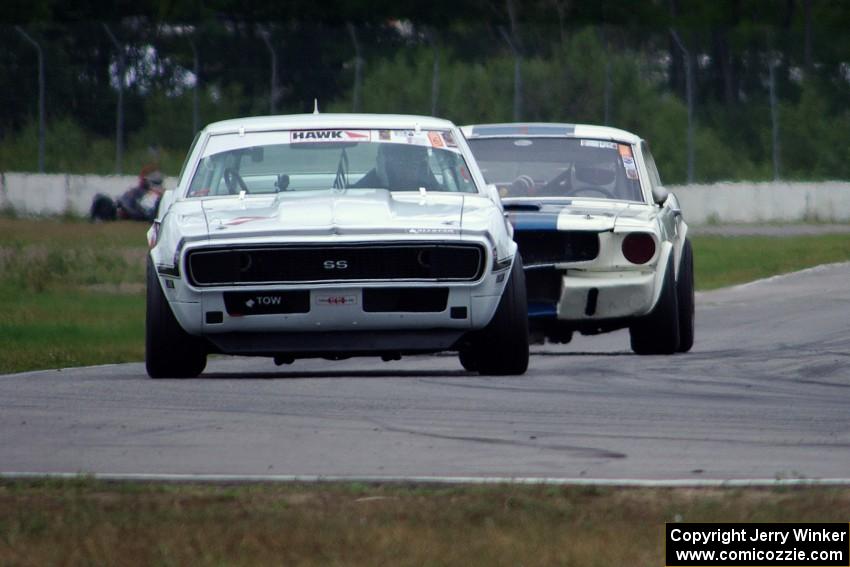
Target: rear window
559,167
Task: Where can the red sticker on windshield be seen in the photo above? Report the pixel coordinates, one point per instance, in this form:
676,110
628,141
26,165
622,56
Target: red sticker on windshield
436,139
315,136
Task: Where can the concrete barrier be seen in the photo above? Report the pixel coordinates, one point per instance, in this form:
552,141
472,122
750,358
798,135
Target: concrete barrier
743,202
827,201
35,194
56,194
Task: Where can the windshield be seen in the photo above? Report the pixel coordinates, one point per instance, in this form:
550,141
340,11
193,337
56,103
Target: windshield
305,160
558,167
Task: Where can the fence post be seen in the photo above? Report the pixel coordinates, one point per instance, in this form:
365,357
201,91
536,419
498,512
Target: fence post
774,119
517,74
358,67
608,89
435,73
266,36
119,118
689,94
196,69
41,120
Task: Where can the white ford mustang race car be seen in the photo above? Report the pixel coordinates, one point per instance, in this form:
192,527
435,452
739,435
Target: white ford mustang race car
604,244
333,235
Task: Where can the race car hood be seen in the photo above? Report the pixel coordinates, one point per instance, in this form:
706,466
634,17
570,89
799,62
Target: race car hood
316,213
579,215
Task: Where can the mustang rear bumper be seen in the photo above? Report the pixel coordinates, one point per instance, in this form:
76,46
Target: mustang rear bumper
589,296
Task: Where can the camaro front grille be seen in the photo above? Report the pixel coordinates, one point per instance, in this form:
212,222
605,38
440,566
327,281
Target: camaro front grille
553,247
294,264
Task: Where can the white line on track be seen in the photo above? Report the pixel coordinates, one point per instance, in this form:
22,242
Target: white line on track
779,277
613,482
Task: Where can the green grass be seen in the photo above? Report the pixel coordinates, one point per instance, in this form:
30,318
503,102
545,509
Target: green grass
87,522
70,232
722,261
64,328
72,293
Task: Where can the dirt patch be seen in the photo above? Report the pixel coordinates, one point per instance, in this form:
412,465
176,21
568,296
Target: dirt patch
90,522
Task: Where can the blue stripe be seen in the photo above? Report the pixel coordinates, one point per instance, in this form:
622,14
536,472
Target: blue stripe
523,130
542,310
534,221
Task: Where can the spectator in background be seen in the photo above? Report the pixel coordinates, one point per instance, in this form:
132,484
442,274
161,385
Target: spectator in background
137,203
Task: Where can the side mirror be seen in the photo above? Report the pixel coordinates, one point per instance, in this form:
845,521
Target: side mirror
673,204
493,192
659,194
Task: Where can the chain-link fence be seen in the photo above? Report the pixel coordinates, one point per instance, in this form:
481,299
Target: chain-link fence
98,97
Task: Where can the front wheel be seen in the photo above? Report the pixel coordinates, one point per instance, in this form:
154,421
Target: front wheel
501,348
658,332
170,352
685,291
468,359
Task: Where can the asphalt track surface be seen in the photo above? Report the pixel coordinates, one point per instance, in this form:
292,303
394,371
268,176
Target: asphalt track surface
764,394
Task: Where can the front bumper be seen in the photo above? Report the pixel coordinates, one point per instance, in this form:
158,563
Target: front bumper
334,308
342,309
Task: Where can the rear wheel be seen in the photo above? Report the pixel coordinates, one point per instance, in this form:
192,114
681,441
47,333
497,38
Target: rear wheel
170,352
658,332
685,292
501,348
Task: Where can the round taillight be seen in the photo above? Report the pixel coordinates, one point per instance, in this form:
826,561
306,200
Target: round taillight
639,248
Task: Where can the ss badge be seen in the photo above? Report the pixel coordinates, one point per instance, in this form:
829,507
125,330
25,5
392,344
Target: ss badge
336,264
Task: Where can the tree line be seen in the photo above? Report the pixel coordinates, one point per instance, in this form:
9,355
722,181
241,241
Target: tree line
694,78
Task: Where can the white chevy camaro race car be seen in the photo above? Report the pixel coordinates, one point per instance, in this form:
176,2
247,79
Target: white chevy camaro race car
604,244
333,235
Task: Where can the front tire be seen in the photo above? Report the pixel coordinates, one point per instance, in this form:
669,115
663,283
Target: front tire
658,332
685,291
468,359
170,352
501,348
